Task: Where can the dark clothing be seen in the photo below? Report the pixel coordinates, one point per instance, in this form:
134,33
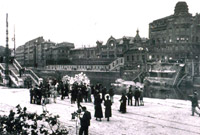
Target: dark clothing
83,130
73,94
62,90
136,96
130,96
98,87
79,98
66,87
85,123
194,100
111,92
38,94
32,93
98,109
84,92
108,109
104,90
92,89
123,104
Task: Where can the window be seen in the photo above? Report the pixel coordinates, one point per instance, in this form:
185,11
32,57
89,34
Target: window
143,58
197,39
138,57
127,58
132,57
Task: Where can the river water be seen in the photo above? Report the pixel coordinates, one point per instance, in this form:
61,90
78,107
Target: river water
171,93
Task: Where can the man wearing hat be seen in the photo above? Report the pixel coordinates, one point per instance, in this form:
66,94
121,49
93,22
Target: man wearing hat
194,100
85,121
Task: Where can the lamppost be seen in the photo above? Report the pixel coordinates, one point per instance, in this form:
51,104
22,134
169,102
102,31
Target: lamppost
6,81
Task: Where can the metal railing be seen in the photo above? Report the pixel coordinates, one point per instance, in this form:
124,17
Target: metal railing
117,63
33,76
17,65
14,75
176,77
2,69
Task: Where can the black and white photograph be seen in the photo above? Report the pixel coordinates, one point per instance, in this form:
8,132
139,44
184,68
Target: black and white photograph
99,67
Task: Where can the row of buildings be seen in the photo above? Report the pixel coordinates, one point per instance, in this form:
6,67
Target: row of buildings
172,38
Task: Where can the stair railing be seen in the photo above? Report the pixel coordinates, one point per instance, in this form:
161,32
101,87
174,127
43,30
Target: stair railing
119,63
19,81
17,65
176,77
33,76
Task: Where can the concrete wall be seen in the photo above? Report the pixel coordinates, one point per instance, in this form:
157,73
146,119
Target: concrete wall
106,78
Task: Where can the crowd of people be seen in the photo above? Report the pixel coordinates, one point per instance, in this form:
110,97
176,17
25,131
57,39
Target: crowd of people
82,92
96,94
136,92
41,94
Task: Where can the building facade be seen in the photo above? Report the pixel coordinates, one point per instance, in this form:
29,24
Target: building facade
176,37
181,27
39,53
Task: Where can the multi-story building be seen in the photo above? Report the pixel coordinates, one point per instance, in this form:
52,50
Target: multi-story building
115,48
176,37
181,27
45,53
29,54
112,49
39,53
59,54
20,55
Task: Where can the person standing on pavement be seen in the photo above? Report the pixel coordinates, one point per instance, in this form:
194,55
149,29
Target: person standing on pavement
141,97
108,109
111,93
194,100
123,103
130,96
85,121
136,96
98,109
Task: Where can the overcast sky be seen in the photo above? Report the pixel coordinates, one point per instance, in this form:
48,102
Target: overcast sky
82,22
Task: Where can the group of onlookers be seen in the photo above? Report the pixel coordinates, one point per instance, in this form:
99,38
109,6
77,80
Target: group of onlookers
44,94
137,93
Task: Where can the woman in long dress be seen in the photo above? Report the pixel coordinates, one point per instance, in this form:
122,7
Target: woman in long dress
108,110
123,103
98,109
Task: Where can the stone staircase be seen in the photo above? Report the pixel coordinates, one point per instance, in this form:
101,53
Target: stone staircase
14,74
11,67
